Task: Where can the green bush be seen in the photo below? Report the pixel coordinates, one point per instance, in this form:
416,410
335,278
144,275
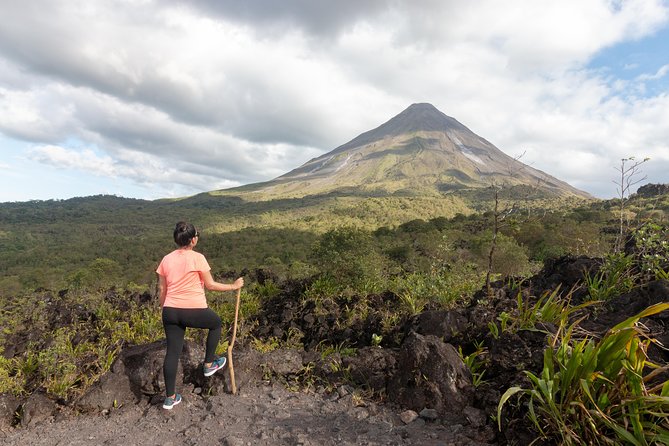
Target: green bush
510,259
598,392
445,287
615,277
651,245
349,256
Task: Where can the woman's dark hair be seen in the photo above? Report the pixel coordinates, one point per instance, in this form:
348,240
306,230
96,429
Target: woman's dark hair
184,233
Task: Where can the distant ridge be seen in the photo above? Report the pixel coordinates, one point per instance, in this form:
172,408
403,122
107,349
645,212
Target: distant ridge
421,151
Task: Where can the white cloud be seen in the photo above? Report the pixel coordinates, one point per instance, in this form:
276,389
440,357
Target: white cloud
85,160
661,72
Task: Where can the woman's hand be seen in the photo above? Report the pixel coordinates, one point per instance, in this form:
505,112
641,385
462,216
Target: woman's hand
211,284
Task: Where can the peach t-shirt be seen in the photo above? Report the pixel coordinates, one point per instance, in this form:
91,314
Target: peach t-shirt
181,269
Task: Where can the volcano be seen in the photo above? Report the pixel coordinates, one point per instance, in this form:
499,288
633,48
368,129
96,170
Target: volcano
421,151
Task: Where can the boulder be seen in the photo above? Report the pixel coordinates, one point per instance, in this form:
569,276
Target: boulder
37,409
371,367
137,374
430,374
284,361
9,406
248,366
441,323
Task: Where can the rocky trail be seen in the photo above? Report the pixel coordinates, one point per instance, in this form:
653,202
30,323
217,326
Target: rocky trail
265,415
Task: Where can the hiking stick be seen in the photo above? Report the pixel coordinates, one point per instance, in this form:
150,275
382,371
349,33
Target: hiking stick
232,344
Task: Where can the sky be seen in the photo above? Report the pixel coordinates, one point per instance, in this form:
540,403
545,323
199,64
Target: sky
164,98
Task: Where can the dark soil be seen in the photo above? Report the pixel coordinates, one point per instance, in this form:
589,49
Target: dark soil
412,389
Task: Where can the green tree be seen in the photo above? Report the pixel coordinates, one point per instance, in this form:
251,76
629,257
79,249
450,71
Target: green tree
348,255
100,273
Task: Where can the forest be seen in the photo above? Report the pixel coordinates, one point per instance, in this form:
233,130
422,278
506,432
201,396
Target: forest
78,281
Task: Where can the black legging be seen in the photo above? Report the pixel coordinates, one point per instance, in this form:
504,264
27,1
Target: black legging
175,322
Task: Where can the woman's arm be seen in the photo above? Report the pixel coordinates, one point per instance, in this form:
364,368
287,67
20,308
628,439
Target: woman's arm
212,285
162,289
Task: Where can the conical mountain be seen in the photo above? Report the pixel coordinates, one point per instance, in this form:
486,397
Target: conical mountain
421,151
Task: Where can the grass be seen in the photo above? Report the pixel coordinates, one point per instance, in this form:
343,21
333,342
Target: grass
475,362
616,276
599,392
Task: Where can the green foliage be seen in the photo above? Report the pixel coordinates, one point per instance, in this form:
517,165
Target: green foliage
267,290
101,273
555,234
79,335
616,276
475,362
651,242
224,305
510,258
445,287
349,256
280,234
342,350
598,392
265,345
321,288
11,378
551,307
427,250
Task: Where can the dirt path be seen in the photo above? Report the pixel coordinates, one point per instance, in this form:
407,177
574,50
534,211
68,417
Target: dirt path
255,416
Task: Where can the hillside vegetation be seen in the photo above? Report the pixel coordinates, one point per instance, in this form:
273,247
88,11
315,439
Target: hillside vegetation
78,279
51,244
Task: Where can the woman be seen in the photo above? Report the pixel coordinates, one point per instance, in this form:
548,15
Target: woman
182,276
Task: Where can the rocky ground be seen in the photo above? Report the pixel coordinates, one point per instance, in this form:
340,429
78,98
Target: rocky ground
412,389
266,415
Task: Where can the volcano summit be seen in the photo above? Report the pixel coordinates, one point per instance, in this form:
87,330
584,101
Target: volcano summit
421,151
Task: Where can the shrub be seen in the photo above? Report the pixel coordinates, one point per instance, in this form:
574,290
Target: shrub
600,392
510,259
349,256
651,245
615,277
445,287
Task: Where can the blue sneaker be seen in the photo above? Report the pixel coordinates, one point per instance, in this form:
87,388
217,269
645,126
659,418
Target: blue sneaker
171,402
216,365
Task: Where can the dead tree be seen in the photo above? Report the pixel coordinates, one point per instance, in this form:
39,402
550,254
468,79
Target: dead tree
501,213
628,174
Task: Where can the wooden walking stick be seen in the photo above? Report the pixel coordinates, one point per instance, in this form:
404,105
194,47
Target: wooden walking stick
232,344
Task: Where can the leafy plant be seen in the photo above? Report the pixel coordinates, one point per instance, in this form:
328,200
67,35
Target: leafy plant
651,242
475,362
598,392
412,302
265,346
341,349
616,276
10,380
550,307
267,290
444,286
504,319
322,287
494,330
